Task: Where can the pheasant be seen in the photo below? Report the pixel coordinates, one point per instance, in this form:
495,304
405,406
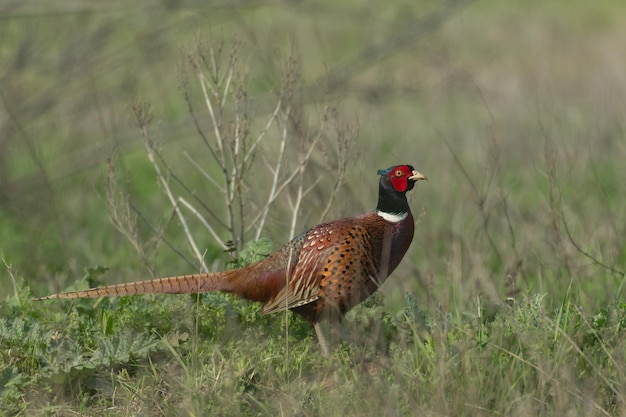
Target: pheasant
320,274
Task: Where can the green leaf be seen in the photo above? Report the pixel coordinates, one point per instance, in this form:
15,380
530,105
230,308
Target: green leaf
254,251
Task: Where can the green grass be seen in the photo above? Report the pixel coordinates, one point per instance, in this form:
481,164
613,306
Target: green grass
149,355
510,301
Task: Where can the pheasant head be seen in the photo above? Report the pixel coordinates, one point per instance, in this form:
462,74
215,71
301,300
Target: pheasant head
393,185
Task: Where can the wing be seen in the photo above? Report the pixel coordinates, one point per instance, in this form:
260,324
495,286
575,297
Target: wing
332,260
303,283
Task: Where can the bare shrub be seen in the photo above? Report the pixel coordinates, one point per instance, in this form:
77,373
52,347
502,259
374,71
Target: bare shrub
251,161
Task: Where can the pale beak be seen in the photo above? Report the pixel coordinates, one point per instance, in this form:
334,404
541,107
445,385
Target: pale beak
418,176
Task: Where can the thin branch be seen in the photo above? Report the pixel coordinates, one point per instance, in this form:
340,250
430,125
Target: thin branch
190,107
203,221
162,238
216,128
168,192
344,147
295,209
264,130
480,198
580,249
171,174
219,139
225,93
122,217
303,161
204,173
279,162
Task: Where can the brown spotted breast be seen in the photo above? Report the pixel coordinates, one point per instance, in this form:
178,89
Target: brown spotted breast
338,265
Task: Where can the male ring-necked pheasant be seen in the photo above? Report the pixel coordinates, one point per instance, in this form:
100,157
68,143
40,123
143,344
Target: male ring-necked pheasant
320,274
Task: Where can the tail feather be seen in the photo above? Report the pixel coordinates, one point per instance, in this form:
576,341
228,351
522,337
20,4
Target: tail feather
184,284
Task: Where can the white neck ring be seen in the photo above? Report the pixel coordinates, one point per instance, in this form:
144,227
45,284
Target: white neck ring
392,217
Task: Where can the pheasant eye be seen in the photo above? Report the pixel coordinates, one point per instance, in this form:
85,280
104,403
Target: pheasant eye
399,172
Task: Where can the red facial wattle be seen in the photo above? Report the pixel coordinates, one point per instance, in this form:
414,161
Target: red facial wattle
399,183
399,177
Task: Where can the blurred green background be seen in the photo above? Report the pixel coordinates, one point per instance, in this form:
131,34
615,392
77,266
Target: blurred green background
514,110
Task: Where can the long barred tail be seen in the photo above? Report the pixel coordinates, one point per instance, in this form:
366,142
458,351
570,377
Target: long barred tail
184,284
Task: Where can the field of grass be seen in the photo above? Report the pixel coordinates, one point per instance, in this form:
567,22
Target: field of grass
510,300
